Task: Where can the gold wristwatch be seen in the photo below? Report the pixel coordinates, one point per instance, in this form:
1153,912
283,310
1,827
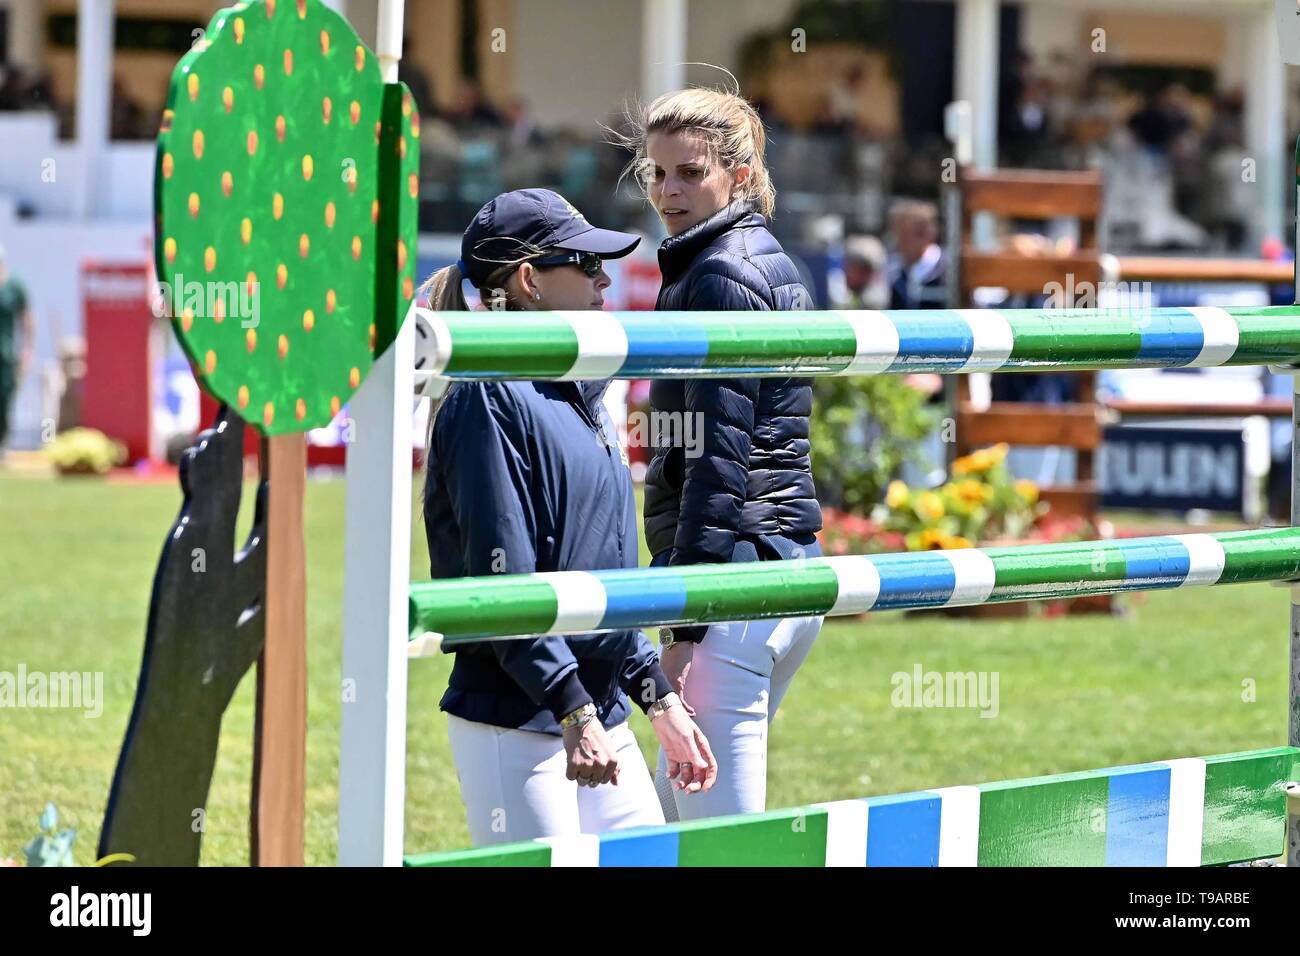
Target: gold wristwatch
579,717
668,700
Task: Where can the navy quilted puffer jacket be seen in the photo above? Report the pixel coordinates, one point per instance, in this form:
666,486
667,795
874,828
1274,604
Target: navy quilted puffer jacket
749,473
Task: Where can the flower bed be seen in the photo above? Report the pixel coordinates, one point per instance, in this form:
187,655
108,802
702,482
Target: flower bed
980,504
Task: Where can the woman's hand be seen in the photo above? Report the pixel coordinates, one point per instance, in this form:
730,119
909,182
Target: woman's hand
676,663
591,757
690,761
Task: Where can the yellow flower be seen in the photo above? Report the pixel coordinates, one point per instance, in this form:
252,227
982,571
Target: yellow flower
897,494
929,506
1027,489
932,539
950,541
982,460
963,465
972,491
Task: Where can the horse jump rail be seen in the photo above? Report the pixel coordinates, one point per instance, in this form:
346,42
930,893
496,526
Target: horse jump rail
589,345
1192,811
458,610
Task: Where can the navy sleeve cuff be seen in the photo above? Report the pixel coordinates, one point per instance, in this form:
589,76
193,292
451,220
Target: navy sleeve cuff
690,633
638,689
567,696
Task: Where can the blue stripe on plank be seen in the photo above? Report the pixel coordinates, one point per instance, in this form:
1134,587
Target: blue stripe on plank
1137,817
629,600
643,846
923,578
1155,563
1174,337
940,338
652,342
903,830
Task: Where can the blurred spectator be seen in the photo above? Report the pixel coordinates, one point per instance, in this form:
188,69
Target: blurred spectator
917,280
917,274
126,121
864,274
17,341
518,118
22,91
1023,99
1228,197
844,100
470,112
1163,120
11,87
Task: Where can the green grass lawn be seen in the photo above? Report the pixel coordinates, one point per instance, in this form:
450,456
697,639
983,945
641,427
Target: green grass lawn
78,557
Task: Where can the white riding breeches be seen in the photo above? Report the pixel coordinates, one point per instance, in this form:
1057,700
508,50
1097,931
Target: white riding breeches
514,787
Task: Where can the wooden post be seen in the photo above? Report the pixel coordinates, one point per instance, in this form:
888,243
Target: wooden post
280,744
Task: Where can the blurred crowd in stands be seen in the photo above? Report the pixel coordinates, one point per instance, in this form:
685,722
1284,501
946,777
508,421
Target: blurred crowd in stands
1176,164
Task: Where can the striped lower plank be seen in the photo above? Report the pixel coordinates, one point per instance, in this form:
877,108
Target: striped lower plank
1199,811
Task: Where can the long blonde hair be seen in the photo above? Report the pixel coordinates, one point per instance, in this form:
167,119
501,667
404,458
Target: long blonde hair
724,119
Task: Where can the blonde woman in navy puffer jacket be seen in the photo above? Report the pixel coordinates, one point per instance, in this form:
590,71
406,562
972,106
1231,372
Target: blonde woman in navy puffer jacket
742,489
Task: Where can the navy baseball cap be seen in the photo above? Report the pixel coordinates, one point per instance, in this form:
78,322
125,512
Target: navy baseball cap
503,230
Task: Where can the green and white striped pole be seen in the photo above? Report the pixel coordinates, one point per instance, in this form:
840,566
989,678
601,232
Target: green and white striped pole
585,345
460,610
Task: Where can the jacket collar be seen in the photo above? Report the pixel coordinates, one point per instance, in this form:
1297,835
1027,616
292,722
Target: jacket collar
677,252
585,394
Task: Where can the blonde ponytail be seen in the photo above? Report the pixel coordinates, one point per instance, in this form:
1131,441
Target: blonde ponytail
443,292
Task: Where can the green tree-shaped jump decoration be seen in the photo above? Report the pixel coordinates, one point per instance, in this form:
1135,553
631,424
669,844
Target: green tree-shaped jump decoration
286,199
286,202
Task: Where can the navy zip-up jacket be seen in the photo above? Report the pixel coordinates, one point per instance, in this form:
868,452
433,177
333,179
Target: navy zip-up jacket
752,480
522,478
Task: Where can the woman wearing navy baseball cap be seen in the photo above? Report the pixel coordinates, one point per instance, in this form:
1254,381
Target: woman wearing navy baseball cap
527,477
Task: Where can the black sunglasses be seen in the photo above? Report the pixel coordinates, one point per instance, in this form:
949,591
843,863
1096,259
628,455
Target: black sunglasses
588,262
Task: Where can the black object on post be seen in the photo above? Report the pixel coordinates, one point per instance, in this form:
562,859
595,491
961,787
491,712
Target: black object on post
206,629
